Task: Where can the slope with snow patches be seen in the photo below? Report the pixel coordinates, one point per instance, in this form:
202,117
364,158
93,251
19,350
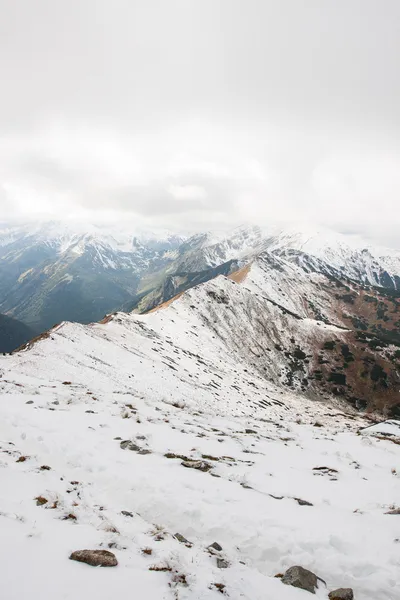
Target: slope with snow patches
286,479
350,256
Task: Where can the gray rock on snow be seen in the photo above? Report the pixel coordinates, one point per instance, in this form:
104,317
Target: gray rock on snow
129,445
303,502
181,539
342,594
215,546
199,465
95,558
301,578
222,563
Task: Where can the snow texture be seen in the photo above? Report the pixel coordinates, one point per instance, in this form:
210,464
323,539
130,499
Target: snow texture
278,490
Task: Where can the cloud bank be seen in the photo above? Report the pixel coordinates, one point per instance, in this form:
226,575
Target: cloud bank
187,115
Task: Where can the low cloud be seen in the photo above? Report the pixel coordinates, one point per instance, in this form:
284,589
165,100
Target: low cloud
171,181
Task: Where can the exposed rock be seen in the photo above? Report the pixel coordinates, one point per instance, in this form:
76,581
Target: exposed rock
301,578
303,502
341,594
222,563
126,513
173,455
129,445
199,465
215,546
95,558
220,587
181,539
395,511
40,500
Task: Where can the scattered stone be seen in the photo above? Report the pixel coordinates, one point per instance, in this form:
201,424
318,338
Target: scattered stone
70,517
95,558
40,500
220,587
342,594
29,402
215,546
318,424
180,579
199,465
22,459
303,502
301,578
182,539
129,445
67,382
210,457
222,563
325,470
45,468
147,551
250,431
173,455
163,568
126,513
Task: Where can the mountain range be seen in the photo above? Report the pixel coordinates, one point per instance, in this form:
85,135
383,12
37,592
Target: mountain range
208,446
54,272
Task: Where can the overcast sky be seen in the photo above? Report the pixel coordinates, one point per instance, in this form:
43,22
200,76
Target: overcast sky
192,114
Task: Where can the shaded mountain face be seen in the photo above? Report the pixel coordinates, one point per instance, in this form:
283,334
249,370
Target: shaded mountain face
50,275
13,333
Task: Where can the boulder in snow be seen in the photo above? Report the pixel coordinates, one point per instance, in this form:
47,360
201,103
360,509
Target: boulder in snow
301,578
95,558
341,594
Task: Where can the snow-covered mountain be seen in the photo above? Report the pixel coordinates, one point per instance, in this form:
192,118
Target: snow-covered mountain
351,256
154,436
52,271
343,257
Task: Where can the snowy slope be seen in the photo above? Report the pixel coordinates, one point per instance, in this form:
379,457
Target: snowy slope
174,382
350,255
